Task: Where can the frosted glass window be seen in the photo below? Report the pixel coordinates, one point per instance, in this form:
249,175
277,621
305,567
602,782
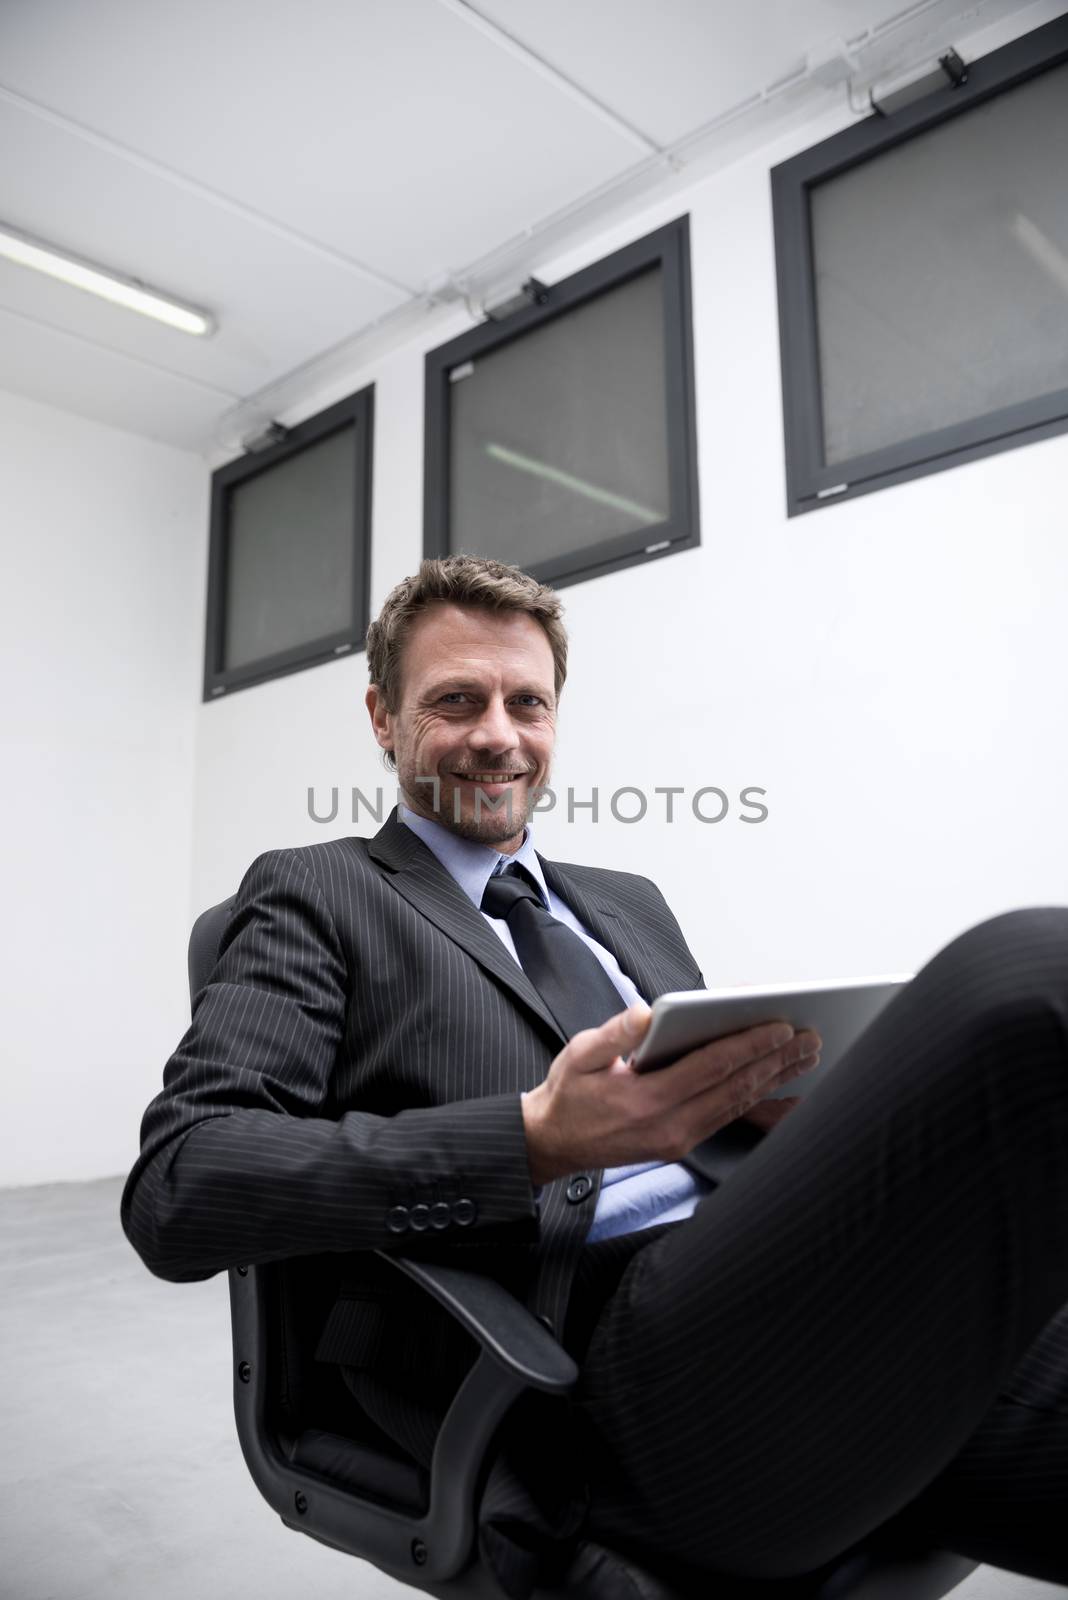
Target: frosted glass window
289,563
922,267
560,433
559,439
941,272
289,578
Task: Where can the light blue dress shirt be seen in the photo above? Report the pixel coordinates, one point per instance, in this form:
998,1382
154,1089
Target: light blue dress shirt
631,1197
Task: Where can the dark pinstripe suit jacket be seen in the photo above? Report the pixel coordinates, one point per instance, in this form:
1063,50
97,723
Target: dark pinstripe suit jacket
360,1051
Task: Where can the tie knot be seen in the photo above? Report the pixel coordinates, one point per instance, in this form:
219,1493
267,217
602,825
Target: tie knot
507,888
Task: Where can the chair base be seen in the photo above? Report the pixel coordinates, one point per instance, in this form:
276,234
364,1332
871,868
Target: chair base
606,1575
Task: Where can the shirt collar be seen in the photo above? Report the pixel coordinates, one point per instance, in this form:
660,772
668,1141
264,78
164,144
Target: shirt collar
470,863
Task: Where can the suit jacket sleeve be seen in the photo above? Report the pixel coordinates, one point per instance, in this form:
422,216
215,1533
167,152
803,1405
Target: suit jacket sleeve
243,1159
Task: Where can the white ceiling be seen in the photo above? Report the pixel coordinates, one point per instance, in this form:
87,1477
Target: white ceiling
304,171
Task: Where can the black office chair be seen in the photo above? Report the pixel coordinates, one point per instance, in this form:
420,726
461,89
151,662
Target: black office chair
330,1473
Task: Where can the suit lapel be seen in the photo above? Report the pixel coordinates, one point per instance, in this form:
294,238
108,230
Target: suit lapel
612,928
417,874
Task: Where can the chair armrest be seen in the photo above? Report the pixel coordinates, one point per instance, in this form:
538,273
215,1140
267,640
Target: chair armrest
515,1352
419,1546
503,1327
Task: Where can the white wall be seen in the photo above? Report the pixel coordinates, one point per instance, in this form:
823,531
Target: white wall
100,657
890,669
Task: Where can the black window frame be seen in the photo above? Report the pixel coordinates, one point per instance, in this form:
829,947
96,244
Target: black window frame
810,484
356,411
668,248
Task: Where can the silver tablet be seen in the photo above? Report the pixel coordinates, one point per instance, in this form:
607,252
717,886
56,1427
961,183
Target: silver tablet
839,1011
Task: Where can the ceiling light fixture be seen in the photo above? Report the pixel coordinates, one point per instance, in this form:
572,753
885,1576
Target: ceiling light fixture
126,292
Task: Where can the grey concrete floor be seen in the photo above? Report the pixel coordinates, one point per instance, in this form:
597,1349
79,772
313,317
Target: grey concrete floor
121,1476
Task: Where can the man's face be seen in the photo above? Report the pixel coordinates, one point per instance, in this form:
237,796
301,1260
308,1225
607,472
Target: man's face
476,699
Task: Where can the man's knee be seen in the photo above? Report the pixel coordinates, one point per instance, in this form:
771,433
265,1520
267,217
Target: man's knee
1007,976
1031,942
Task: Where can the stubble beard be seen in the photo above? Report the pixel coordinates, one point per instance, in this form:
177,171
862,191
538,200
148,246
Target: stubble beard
478,820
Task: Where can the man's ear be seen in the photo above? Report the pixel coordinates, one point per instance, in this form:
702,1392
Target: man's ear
381,719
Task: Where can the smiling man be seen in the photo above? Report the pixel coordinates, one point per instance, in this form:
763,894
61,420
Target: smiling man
472,683
424,1035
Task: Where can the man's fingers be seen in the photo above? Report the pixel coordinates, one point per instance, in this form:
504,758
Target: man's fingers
767,1039
744,1090
737,1050
720,1103
595,1048
754,1057
632,1026
801,1063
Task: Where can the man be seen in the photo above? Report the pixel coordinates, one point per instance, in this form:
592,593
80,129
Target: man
423,1036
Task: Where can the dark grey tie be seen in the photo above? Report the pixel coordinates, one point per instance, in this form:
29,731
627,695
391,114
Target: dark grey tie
580,994
560,965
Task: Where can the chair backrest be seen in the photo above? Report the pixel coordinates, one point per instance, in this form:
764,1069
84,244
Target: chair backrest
301,1395
204,944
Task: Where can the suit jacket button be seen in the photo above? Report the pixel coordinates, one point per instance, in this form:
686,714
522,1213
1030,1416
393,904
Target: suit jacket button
464,1212
419,1217
440,1215
397,1219
579,1188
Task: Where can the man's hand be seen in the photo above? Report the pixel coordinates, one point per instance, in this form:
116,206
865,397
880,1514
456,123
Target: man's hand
594,1110
767,1114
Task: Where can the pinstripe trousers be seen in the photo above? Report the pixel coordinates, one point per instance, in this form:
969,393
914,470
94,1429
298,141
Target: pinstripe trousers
867,1325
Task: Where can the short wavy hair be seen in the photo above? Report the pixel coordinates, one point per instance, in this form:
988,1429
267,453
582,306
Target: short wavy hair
464,581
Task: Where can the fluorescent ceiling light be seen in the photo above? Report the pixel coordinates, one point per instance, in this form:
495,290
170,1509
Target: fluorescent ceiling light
567,480
121,291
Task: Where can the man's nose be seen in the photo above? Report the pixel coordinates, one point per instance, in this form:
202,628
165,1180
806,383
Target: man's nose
493,729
